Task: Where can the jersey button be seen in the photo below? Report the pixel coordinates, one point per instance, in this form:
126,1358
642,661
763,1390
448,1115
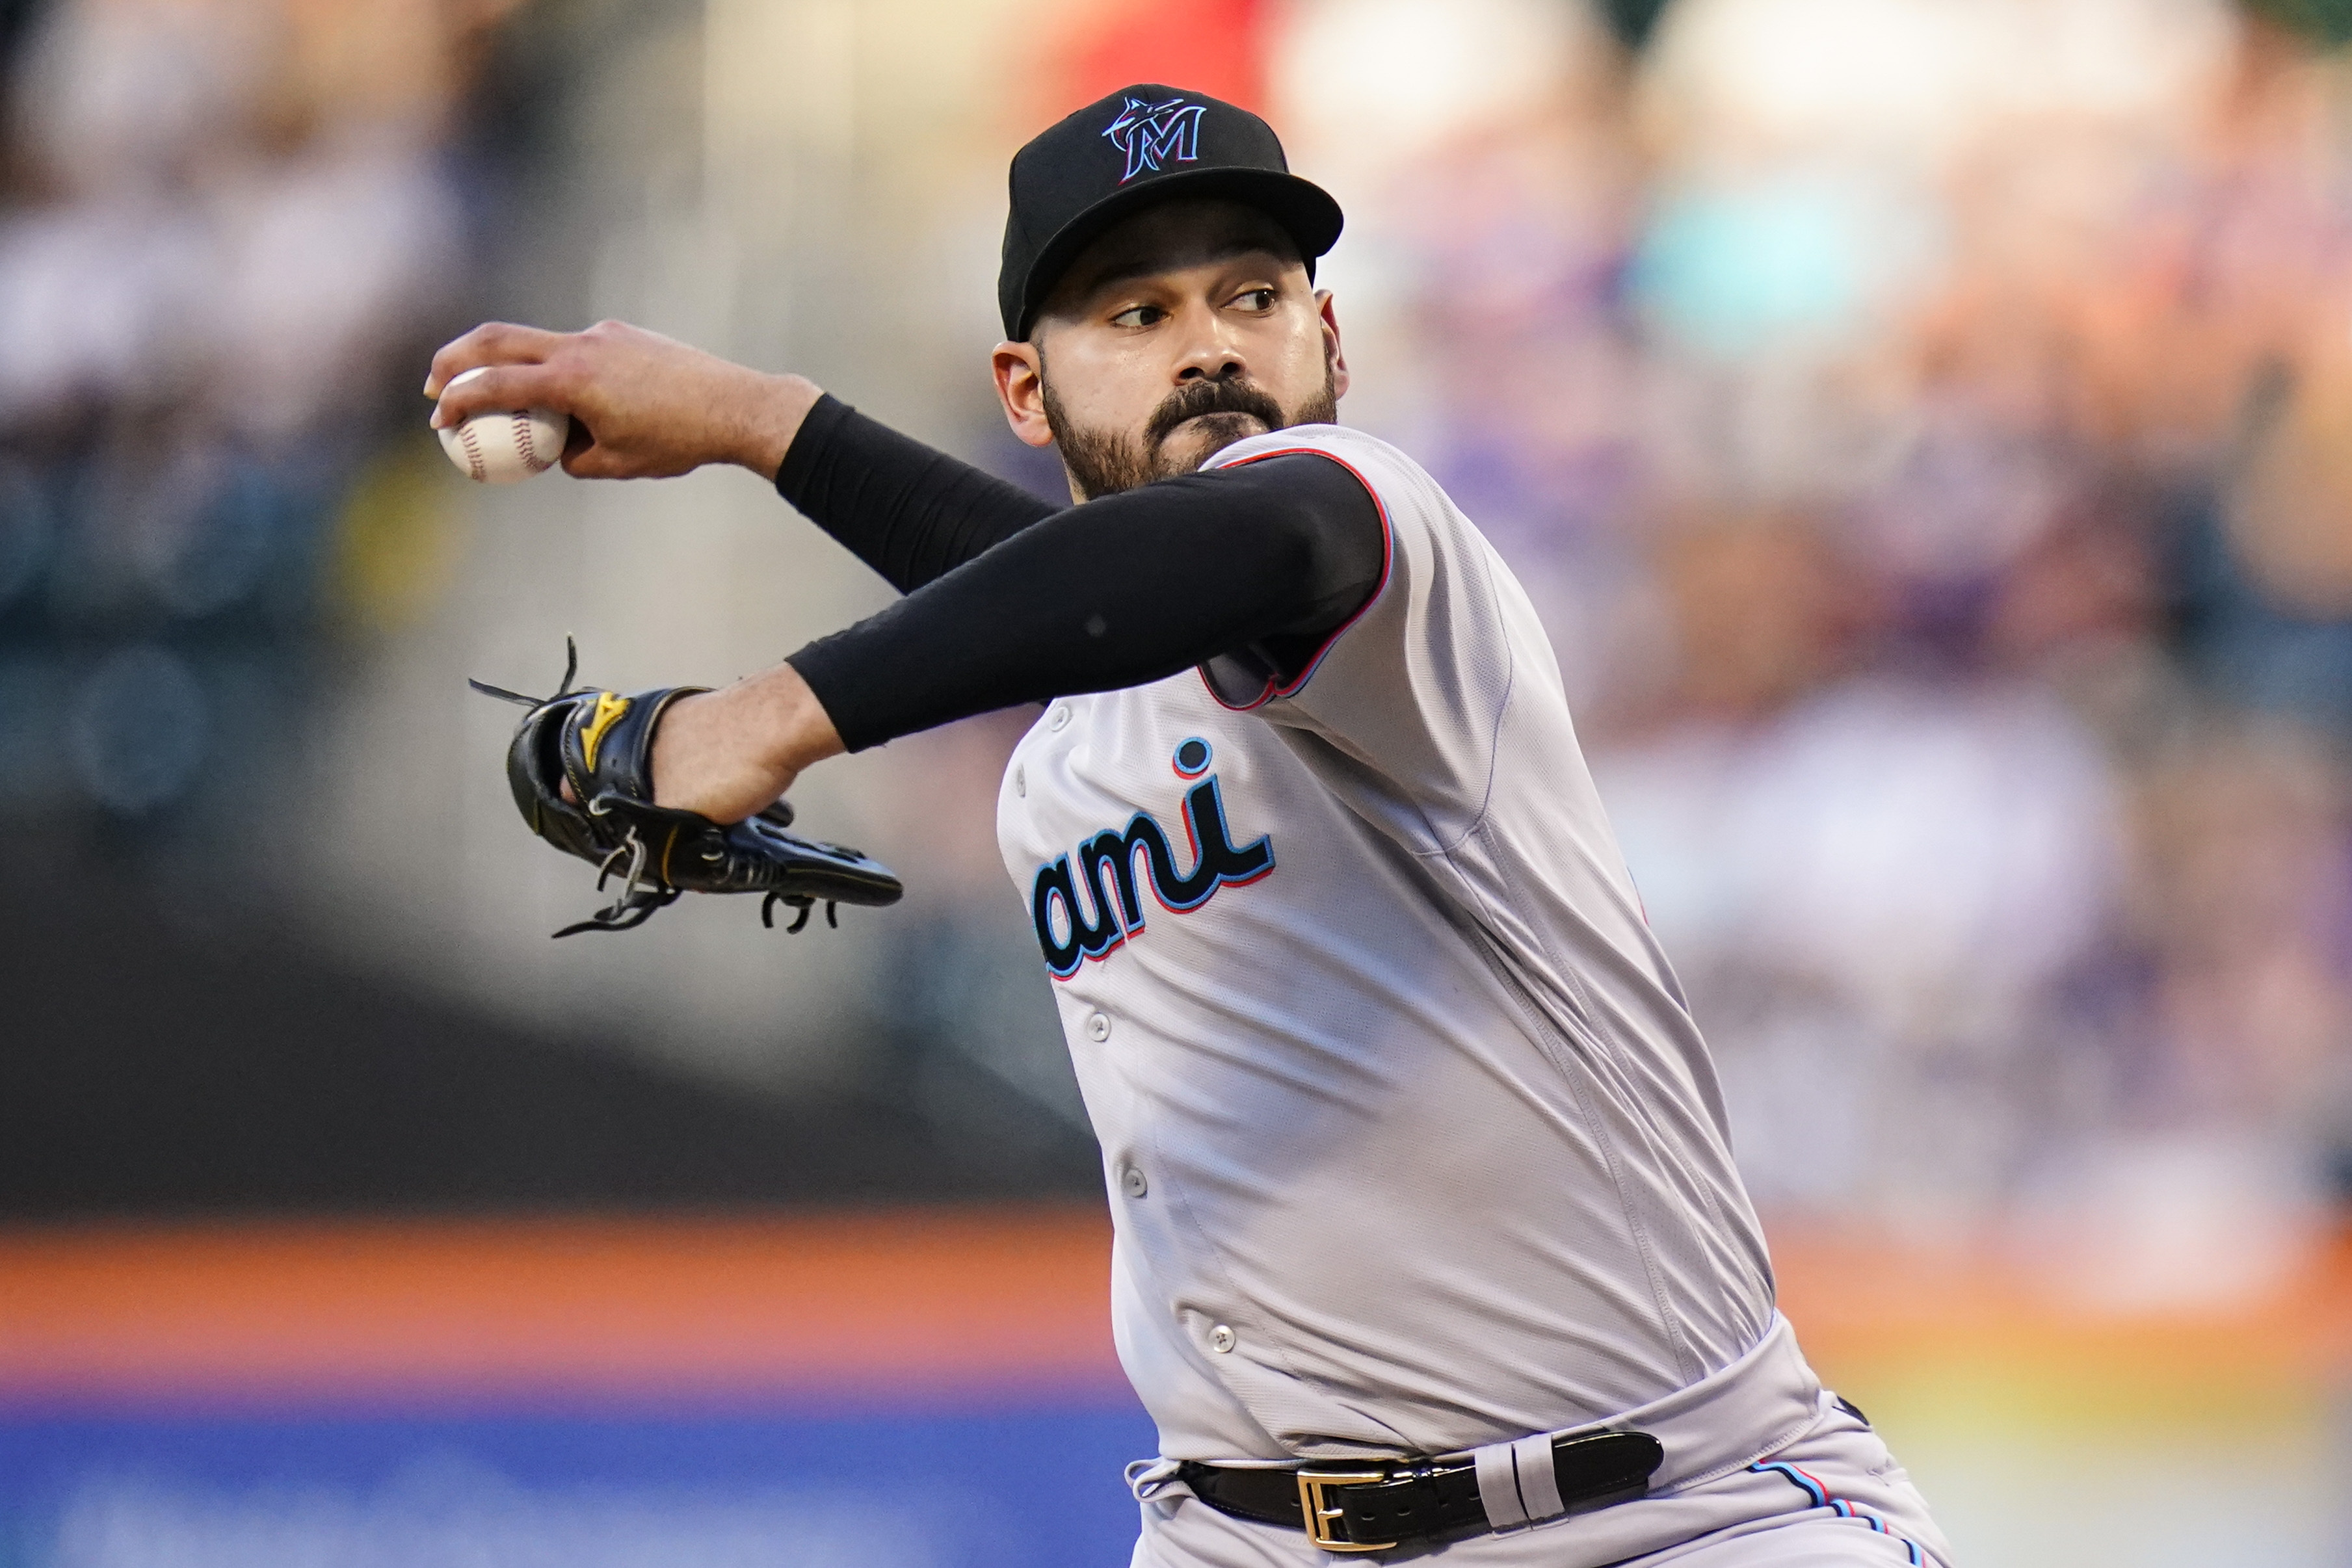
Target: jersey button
1132,1181
1059,717
1223,1339
1020,778
1097,1028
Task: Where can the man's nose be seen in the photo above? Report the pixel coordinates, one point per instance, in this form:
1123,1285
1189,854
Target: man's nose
1210,354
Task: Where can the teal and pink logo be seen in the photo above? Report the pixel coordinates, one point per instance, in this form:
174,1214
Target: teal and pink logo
1154,135
1087,905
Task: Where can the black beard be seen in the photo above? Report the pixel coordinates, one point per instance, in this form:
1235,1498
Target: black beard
1104,462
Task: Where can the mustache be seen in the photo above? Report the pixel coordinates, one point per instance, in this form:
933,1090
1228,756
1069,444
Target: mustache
1195,399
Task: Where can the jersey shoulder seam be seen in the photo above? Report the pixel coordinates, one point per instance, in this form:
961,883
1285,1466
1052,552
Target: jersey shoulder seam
1480,553
1502,706
1274,686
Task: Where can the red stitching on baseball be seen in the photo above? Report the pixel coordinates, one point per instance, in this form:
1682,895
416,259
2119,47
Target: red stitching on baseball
522,438
473,452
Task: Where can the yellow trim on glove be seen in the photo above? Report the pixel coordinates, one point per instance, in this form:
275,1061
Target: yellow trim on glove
609,709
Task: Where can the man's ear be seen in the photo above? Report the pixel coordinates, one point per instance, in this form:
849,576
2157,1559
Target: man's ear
1333,357
1020,372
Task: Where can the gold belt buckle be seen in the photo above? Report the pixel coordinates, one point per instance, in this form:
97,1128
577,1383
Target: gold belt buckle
1314,1492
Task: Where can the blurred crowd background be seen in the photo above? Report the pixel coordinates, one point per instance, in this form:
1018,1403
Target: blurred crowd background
1925,424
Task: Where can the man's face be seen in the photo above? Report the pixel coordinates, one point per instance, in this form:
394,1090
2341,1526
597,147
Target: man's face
1186,329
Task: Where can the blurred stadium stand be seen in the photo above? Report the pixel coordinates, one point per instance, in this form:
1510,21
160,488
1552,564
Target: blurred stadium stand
1925,424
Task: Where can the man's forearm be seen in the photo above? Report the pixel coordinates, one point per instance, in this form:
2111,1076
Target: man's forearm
646,406
1121,591
910,511
642,406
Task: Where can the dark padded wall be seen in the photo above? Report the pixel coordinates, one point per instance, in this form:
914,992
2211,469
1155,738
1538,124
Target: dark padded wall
146,1067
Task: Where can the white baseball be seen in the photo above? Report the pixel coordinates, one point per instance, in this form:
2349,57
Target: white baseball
500,448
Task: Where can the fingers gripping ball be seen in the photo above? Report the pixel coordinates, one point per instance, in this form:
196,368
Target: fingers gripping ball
601,744
500,448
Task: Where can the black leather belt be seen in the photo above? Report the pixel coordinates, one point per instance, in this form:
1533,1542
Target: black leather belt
1373,1506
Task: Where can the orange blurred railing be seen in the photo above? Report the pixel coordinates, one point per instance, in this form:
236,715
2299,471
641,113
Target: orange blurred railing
982,1303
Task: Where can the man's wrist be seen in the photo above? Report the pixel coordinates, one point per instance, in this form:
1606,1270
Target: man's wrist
773,409
801,732
727,753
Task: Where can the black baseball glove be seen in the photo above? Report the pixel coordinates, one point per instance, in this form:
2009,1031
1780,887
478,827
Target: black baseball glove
601,743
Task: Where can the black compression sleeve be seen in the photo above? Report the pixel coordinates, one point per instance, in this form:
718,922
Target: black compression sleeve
910,511
1125,590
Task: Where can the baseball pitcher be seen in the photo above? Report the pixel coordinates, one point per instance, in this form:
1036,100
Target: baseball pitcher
1429,1240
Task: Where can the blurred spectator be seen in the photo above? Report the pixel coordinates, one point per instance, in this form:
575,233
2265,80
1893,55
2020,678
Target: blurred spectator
229,227
1925,424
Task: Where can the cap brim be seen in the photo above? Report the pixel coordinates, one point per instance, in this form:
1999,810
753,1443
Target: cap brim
1304,209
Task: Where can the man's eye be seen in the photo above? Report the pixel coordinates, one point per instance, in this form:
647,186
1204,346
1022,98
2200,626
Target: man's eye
1256,300
1136,316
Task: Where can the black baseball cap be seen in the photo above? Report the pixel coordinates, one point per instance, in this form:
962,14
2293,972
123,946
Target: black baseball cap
1143,144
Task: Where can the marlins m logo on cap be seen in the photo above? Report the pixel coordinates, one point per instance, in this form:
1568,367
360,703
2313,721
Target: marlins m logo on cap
1149,132
1170,143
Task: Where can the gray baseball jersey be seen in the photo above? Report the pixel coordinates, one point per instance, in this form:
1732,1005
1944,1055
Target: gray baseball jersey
1411,1142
